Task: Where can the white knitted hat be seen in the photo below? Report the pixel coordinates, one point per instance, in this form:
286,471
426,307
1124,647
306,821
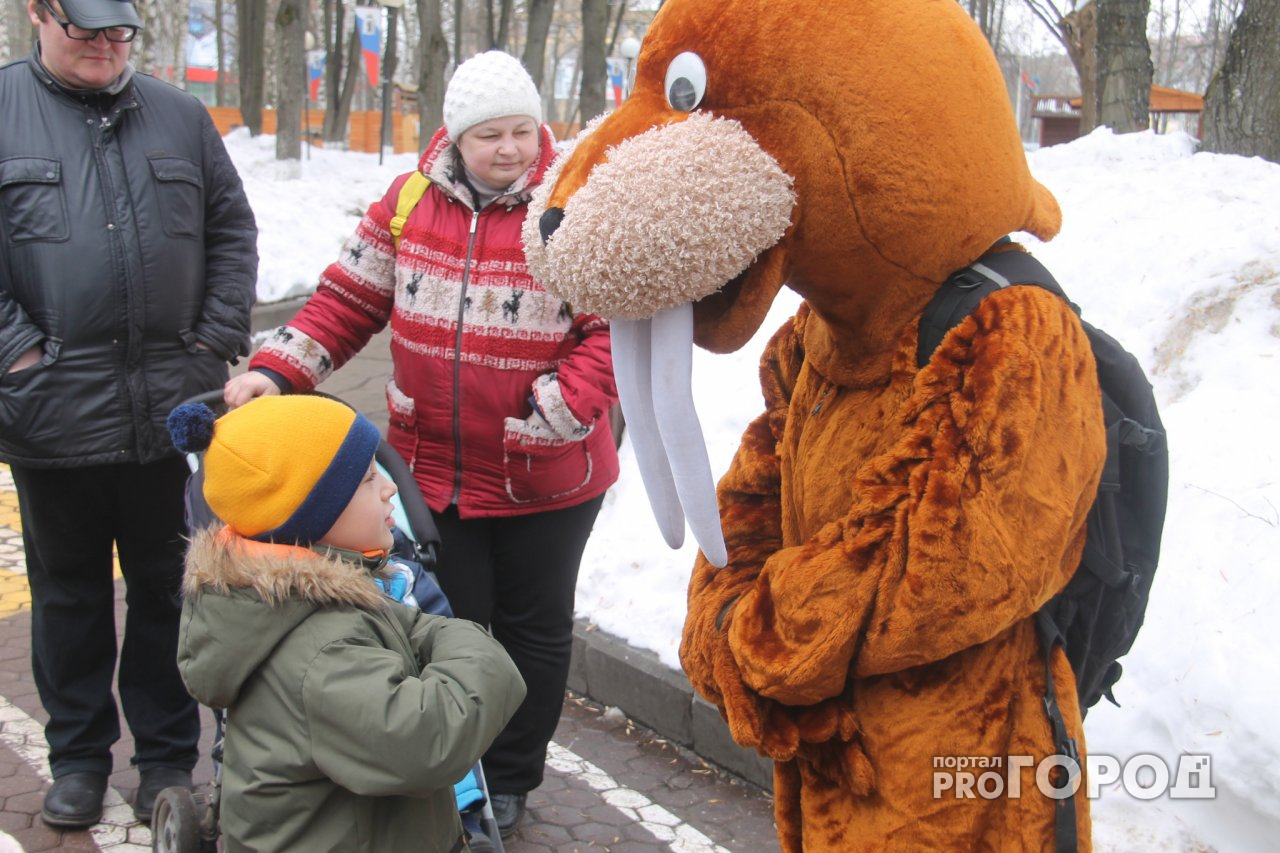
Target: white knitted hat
489,85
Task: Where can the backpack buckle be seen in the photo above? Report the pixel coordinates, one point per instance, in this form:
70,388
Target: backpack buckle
967,279
1135,435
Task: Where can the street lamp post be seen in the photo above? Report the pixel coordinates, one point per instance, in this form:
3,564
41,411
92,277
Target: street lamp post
630,49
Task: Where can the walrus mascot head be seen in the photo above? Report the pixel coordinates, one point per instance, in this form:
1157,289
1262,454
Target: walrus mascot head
856,151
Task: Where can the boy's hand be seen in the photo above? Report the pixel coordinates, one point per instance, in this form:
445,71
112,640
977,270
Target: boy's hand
243,388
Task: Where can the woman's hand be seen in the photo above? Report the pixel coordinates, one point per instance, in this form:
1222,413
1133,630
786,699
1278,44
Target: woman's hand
243,388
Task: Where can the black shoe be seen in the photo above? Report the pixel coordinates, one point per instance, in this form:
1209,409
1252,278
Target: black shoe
151,782
75,800
507,811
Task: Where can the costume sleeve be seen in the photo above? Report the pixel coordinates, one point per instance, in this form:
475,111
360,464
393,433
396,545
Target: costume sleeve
231,252
749,496
377,733
352,303
969,522
581,389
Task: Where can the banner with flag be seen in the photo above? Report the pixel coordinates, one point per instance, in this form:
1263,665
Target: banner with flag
315,71
369,26
617,73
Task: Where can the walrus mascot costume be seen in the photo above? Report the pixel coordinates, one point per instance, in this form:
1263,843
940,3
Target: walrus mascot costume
861,609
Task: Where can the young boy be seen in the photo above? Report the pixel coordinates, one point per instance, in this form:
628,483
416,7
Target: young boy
349,716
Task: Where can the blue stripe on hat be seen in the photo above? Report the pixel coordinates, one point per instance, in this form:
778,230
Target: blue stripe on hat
332,492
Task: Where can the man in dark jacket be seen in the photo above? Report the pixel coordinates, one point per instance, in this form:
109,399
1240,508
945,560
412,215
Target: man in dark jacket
128,262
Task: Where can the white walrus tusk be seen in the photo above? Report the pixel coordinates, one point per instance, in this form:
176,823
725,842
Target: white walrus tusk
632,370
658,353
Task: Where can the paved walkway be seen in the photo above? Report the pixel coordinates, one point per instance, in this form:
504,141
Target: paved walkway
612,784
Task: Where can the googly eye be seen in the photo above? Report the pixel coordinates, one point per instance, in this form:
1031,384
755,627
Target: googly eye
686,82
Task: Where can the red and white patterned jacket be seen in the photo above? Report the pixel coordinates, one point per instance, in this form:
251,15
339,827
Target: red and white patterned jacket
473,338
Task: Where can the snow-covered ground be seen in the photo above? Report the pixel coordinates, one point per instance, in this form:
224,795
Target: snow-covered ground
1175,253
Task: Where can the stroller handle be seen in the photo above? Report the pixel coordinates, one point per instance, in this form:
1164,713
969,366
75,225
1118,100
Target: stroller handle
416,511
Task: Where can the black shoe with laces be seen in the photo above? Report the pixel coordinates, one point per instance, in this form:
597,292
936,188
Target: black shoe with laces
151,782
507,811
75,800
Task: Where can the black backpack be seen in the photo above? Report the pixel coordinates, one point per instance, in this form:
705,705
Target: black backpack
1097,616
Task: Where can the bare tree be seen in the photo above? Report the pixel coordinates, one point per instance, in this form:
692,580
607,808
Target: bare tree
457,31
291,78
616,29
251,28
20,36
160,46
220,49
497,24
343,57
433,64
989,15
1124,65
535,45
1242,107
595,21
1168,26
1076,29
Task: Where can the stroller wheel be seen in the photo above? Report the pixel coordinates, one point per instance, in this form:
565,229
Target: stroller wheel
175,824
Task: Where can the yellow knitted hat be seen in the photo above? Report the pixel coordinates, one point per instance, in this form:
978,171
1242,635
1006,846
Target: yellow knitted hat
279,469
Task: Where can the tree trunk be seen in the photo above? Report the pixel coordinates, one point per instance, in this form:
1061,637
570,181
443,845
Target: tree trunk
535,45
220,47
595,23
1242,107
355,68
251,24
504,24
389,62
616,29
457,33
335,31
291,78
21,36
1124,65
1080,36
160,47
433,64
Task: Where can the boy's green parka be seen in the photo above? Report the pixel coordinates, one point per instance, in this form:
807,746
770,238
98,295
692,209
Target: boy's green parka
349,717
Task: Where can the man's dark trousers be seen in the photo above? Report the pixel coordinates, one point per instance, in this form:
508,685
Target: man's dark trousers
70,519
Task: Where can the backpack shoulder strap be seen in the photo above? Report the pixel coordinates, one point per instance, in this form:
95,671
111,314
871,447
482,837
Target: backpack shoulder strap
410,194
960,294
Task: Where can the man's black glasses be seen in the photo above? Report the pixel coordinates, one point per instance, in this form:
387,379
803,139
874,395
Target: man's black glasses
120,35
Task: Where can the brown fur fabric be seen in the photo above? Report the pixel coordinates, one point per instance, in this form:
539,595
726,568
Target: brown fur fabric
890,530
888,545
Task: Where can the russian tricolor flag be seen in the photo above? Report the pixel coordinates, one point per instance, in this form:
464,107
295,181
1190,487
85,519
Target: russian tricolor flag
369,26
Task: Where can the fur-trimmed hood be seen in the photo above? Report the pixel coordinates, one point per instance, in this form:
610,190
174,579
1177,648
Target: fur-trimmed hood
243,597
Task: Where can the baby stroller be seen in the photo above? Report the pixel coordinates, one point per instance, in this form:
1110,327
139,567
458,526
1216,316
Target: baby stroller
187,821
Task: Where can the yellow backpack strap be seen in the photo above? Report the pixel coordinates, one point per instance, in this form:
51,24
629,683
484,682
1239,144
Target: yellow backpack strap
410,194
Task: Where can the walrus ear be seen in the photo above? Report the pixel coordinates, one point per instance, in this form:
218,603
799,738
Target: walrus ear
1045,219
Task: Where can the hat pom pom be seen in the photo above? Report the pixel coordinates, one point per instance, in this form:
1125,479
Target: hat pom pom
191,427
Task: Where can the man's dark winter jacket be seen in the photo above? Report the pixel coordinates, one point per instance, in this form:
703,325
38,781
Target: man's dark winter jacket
125,240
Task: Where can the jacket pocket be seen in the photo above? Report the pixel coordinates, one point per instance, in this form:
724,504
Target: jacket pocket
542,469
180,188
32,201
400,407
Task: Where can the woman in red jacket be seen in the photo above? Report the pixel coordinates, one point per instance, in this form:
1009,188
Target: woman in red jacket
500,393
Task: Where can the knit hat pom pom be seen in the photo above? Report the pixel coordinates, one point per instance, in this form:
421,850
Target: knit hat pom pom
191,427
